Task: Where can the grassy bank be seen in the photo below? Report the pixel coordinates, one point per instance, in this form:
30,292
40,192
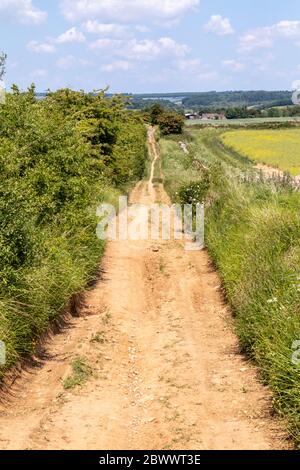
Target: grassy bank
253,237
59,159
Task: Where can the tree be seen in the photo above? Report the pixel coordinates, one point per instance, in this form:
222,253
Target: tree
242,113
156,111
273,112
170,122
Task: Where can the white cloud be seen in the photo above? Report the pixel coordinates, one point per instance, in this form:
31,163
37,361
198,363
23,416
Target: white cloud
39,73
49,46
126,10
146,49
110,45
94,27
72,35
261,38
263,64
140,28
23,10
264,37
69,62
219,25
233,65
122,65
287,28
154,48
189,65
195,69
207,76
41,47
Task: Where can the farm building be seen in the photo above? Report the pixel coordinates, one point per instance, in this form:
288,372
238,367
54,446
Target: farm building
192,115
213,116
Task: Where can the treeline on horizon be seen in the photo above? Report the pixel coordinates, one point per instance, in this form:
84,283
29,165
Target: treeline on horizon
234,104
215,99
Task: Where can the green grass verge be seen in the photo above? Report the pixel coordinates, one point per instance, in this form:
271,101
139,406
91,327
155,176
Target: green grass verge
253,237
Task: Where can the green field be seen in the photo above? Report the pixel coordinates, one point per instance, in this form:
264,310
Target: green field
240,122
276,148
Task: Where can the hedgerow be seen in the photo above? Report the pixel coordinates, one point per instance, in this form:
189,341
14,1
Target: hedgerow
59,158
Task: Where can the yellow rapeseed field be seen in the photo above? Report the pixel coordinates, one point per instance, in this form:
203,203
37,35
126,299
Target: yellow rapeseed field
277,148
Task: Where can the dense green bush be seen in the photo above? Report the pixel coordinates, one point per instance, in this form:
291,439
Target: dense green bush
59,158
168,121
171,122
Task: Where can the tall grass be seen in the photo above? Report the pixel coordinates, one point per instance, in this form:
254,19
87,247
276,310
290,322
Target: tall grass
253,237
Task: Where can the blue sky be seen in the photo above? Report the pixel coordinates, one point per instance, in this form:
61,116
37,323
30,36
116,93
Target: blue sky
151,45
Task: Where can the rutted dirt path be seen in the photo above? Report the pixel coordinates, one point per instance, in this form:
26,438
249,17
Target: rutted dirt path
167,373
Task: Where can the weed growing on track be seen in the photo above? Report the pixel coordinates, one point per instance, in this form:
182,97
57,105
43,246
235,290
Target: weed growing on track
253,237
81,373
98,337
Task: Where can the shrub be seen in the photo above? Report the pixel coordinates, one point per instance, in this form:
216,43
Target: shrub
196,191
170,122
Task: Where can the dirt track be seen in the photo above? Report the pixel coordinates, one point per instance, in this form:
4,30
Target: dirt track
167,373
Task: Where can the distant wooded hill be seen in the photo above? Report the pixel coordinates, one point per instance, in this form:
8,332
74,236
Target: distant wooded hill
213,99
